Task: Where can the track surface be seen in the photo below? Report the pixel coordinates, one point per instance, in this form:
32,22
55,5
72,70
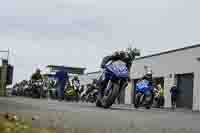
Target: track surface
81,115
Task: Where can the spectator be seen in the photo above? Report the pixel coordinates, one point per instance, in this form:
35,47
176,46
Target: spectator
174,93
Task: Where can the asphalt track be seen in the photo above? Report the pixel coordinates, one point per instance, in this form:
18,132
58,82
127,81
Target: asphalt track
82,115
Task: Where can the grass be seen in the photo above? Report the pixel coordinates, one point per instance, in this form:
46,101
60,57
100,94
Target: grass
9,125
17,126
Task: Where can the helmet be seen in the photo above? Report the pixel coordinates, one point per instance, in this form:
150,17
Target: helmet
38,70
117,53
94,81
76,78
122,54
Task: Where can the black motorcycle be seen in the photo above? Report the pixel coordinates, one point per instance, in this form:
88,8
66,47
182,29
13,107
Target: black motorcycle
37,88
92,96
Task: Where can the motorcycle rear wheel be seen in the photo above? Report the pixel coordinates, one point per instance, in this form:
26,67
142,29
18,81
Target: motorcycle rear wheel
148,107
137,100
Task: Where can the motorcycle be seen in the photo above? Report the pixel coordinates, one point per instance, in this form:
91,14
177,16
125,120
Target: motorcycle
83,96
144,94
27,90
116,76
37,89
71,94
92,96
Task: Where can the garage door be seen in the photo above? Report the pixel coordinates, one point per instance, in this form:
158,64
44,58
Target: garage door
185,86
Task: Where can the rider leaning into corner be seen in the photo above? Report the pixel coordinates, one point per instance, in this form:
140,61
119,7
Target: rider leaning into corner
126,56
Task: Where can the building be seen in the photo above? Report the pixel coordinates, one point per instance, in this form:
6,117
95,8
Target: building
72,71
180,67
89,77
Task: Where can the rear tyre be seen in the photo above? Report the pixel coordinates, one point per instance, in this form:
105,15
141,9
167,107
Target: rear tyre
148,107
149,103
98,103
137,101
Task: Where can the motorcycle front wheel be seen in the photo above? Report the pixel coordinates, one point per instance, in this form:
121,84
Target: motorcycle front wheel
109,99
149,101
98,101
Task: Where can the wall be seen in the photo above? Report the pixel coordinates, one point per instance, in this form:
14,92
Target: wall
178,62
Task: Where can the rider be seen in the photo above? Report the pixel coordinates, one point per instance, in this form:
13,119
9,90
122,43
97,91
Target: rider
37,75
76,83
36,78
126,56
148,76
92,86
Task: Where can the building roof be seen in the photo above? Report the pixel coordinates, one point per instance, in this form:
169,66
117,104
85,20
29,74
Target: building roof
73,70
169,51
93,72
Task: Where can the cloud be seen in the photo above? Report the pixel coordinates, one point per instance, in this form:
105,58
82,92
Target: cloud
80,33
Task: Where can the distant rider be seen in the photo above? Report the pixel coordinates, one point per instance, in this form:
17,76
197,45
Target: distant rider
36,76
76,83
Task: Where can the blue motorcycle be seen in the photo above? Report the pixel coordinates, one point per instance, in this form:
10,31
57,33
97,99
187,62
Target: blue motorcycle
144,94
116,76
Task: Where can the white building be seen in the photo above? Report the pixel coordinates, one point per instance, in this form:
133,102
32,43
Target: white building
180,67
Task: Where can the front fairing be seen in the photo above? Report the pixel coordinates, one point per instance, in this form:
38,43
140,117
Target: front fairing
118,69
144,87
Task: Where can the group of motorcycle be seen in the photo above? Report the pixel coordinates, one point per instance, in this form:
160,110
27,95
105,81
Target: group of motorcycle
75,92
90,93
34,89
115,78
41,89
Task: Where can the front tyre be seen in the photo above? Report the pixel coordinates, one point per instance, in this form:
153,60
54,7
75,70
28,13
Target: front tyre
108,100
98,101
148,107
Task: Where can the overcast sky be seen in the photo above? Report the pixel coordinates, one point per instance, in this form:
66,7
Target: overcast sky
81,32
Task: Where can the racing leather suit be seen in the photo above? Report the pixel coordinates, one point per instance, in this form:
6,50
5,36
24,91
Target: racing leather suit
127,59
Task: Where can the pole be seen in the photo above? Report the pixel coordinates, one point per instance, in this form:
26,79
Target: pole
3,79
4,73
